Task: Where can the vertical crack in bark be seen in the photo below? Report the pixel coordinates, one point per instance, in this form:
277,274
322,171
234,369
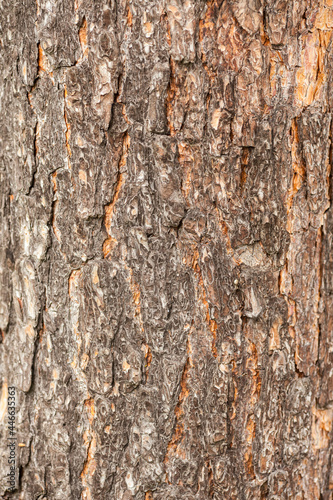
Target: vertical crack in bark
202,297
83,37
148,360
173,91
299,171
37,9
178,435
68,129
135,289
263,33
286,284
210,478
129,15
225,233
43,64
110,242
35,152
90,442
43,68
316,305
231,404
89,435
248,456
323,234
244,163
311,76
54,208
203,25
285,276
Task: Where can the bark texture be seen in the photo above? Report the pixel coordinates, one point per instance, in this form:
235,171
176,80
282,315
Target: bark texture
166,302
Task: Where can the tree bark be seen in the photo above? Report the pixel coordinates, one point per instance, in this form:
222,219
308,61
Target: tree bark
166,302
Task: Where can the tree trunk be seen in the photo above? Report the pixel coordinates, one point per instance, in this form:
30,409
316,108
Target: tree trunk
166,303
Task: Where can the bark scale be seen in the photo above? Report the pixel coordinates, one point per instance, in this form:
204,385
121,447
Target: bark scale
166,302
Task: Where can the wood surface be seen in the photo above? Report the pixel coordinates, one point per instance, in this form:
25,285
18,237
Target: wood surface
166,293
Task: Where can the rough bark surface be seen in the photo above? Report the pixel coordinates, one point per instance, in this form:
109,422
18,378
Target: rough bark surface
166,301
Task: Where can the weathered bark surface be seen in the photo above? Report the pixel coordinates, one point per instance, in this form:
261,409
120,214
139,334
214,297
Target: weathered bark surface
166,302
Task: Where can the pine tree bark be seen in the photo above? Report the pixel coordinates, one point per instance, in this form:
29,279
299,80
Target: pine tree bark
166,302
